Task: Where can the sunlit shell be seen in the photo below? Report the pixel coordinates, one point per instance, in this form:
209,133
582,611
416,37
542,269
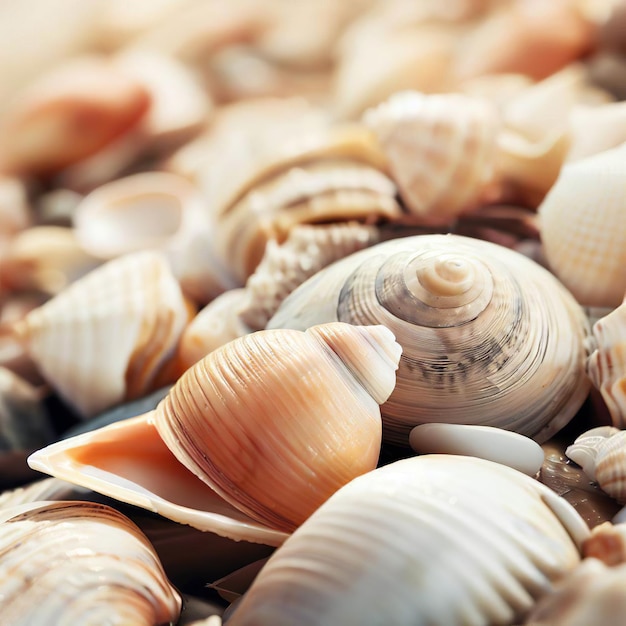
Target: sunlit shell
106,336
80,563
430,540
489,337
583,228
441,150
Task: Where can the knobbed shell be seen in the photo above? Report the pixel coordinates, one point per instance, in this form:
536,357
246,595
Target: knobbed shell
436,539
270,424
80,563
489,337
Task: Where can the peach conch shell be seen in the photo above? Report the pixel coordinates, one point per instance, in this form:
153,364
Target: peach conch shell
80,563
489,337
435,539
106,336
271,424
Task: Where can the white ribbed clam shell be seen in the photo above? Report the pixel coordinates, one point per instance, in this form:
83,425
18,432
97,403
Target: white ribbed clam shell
584,450
427,540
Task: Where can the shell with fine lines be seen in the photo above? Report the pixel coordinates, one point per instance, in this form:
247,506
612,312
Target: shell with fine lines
251,439
485,543
489,337
80,563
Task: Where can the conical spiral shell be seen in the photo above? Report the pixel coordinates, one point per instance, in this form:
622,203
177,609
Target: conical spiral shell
70,563
434,539
488,336
277,421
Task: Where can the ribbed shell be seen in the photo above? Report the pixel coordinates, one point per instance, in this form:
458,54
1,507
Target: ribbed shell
69,563
277,421
489,337
427,540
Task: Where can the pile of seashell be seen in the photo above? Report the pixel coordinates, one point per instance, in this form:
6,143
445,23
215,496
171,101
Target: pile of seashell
313,312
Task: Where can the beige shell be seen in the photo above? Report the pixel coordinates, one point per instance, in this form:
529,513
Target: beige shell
435,539
15,212
606,365
489,337
80,563
582,228
441,150
106,336
272,424
607,543
596,129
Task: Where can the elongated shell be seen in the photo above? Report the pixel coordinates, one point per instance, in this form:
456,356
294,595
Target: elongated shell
489,337
427,540
105,337
70,563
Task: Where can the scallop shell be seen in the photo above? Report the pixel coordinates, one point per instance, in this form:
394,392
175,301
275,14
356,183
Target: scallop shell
441,150
106,336
429,540
583,228
80,563
489,337
272,423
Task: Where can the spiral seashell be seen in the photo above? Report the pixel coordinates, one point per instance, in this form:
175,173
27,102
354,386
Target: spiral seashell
441,150
107,335
489,337
427,540
270,424
80,563
582,230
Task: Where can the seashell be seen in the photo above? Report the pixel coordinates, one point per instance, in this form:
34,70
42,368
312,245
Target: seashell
441,150
436,539
596,129
607,543
155,211
105,337
606,365
15,214
582,228
48,489
80,563
315,426
82,106
473,318
584,451
484,442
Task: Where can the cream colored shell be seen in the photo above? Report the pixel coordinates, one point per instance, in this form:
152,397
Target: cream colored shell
489,337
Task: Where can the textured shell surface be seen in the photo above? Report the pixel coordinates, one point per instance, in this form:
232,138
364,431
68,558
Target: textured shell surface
435,539
586,447
271,424
72,563
489,337
583,228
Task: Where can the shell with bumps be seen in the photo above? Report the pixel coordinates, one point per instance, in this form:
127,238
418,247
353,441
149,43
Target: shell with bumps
489,337
435,539
271,424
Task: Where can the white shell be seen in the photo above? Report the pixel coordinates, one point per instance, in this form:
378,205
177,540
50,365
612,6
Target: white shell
427,540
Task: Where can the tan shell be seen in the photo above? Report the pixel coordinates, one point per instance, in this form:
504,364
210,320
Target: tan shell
272,424
80,563
15,214
435,539
596,129
582,228
441,150
607,543
106,336
473,318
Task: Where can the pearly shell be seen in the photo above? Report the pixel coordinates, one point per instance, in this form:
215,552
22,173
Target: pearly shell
272,423
583,228
441,150
106,336
427,540
489,337
80,563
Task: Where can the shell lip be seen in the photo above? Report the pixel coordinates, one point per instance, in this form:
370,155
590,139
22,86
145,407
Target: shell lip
217,516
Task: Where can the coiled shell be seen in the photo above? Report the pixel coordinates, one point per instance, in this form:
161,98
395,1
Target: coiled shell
427,540
488,336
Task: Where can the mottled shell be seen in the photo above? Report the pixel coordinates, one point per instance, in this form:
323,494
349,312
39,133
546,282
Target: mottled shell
427,540
441,150
80,563
106,336
489,337
583,228
271,425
